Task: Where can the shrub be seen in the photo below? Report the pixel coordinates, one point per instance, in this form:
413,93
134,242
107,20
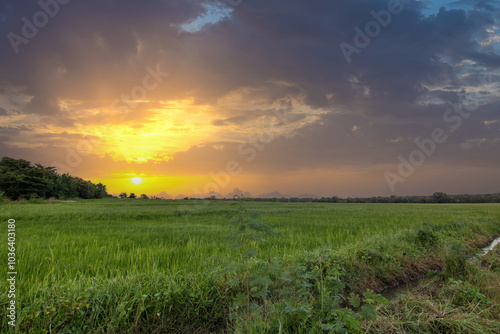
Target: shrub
427,237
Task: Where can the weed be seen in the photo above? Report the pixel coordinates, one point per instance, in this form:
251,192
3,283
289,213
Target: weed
427,237
249,231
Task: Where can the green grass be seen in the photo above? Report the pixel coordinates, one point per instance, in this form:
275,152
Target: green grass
109,238
68,245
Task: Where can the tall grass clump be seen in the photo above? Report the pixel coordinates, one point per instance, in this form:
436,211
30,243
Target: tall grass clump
127,304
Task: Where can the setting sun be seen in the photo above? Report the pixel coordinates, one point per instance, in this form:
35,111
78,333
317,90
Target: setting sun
136,180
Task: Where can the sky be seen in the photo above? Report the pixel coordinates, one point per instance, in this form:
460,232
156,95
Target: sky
278,98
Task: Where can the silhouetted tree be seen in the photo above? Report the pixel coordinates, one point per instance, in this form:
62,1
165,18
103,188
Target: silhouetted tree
20,179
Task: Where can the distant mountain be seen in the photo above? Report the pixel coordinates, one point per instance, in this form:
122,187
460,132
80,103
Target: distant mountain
238,192
163,195
274,194
277,194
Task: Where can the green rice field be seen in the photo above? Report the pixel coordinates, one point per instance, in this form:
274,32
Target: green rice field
64,240
59,242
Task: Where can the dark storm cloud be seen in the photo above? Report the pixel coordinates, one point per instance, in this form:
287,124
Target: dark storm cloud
297,42
43,106
301,43
87,47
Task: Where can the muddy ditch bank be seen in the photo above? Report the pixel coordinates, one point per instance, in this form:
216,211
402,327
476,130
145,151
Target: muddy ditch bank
392,292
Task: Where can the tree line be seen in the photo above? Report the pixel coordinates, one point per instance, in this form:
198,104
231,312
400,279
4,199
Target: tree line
19,179
438,197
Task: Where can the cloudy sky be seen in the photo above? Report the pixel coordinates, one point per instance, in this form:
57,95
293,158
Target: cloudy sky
345,98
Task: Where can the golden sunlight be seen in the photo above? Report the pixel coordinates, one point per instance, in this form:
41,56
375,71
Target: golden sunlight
136,180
